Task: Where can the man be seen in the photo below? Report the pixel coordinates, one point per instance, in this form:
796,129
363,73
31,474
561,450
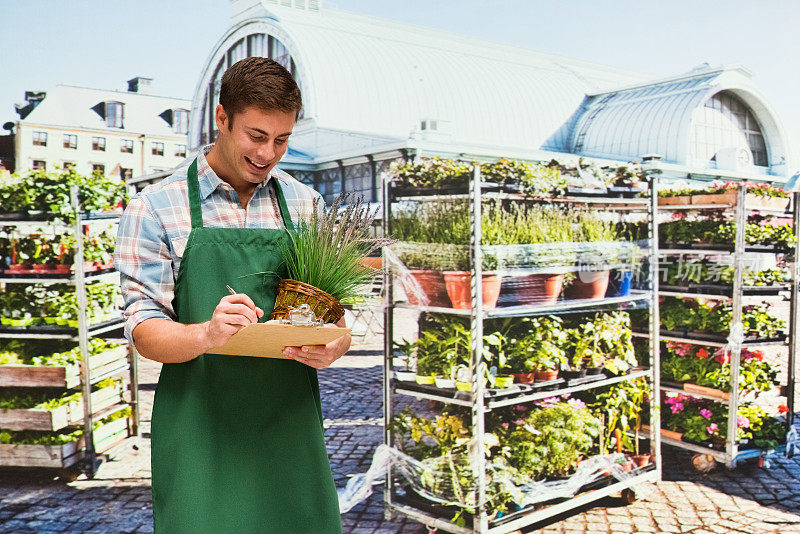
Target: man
237,442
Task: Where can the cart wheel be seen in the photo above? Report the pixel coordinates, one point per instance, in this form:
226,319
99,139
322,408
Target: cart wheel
629,496
68,474
703,462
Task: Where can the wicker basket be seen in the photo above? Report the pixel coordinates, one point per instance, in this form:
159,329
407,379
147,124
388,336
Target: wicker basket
291,294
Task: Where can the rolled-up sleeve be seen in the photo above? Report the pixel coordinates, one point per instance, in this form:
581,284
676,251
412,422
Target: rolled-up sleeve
142,256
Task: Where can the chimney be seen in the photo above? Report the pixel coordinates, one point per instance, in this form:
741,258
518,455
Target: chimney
140,84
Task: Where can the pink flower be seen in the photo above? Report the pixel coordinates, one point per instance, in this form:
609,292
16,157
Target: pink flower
504,425
519,422
577,403
712,428
520,408
677,407
706,413
743,421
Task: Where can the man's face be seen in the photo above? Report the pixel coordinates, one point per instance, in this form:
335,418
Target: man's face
254,143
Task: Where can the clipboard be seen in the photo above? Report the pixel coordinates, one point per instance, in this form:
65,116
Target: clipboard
267,340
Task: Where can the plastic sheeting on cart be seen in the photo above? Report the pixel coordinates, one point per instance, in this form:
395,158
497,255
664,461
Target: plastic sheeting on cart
437,479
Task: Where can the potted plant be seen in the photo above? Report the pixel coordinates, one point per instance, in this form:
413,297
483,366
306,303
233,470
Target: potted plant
405,349
621,406
323,260
551,440
600,250
540,351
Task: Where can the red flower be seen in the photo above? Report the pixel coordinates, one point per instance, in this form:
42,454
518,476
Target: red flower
722,357
702,353
783,408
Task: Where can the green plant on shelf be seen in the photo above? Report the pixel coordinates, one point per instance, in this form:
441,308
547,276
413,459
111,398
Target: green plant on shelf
704,271
540,347
620,408
605,341
705,420
759,230
33,437
22,398
692,315
550,440
760,190
683,362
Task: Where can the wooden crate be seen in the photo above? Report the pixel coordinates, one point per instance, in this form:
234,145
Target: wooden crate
675,201
60,376
66,455
58,418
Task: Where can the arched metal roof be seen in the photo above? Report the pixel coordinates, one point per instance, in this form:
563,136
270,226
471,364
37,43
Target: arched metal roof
379,77
656,118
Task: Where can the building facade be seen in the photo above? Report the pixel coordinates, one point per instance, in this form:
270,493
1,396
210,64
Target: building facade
119,133
377,91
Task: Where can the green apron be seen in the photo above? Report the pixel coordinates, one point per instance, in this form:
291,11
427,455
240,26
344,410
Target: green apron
237,442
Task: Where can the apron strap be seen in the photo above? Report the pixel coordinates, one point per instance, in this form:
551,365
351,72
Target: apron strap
197,213
285,215
194,196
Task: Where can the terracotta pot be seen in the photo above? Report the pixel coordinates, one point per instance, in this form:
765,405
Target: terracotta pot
588,285
546,376
458,288
538,288
432,284
524,378
16,267
641,460
39,268
374,262
626,466
63,268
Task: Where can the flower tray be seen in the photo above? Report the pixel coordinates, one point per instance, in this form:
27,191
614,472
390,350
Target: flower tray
720,338
723,290
63,416
65,455
59,376
751,201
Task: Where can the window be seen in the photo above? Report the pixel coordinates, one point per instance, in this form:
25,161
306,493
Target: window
180,121
125,174
158,149
70,141
39,138
126,146
68,165
99,143
39,164
115,112
727,122
180,151
98,167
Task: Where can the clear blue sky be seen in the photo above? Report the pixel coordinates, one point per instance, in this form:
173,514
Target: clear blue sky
102,43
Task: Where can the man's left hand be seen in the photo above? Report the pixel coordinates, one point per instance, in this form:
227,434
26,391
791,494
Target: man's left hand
321,356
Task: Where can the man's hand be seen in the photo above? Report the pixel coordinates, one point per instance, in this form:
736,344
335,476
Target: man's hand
321,356
233,313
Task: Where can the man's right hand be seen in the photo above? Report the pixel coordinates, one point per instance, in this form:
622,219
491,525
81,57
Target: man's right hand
233,313
168,341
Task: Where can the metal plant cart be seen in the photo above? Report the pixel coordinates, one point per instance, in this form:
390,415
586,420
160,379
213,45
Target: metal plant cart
71,458
738,294
481,400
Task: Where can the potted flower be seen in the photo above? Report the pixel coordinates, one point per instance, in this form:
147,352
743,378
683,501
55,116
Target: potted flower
405,349
323,260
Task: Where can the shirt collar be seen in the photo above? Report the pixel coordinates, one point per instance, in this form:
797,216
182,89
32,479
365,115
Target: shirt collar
208,179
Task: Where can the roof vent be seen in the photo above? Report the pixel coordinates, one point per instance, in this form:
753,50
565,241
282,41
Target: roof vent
140,84
304,5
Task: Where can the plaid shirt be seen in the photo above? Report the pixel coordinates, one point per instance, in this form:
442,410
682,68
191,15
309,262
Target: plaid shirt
155,227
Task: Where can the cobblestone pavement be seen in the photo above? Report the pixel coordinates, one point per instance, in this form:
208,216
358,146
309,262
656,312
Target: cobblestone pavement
746,500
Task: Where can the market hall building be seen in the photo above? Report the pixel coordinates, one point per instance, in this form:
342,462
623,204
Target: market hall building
377,91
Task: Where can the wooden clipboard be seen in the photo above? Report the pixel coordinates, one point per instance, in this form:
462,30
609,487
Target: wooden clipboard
267,340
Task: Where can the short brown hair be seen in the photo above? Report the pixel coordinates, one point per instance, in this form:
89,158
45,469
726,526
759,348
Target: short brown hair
259,82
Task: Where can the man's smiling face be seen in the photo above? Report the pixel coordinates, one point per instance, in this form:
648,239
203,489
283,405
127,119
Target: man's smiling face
253,143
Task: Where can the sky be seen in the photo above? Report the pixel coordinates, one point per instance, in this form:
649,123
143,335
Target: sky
103,43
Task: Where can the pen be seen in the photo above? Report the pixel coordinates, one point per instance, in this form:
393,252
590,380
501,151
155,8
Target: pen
230,289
